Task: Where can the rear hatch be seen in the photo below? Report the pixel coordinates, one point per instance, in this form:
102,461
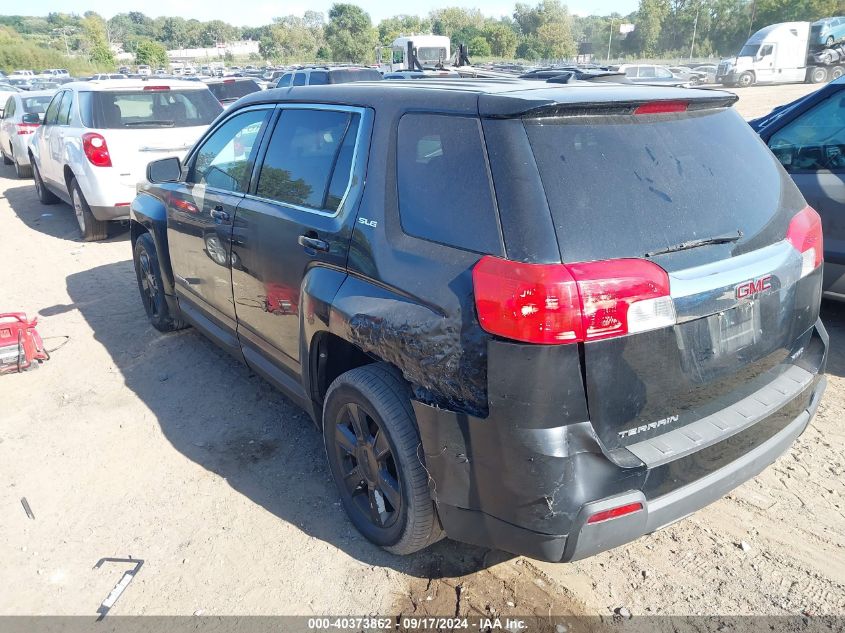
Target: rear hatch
687,187
144,124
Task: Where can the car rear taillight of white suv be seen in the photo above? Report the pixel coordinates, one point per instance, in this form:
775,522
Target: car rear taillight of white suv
96,150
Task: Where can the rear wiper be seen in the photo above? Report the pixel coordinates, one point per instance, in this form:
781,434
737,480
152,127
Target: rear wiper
685,246
149,122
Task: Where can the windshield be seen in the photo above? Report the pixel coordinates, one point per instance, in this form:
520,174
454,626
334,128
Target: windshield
665,179
749,50
430,54
232,90
37,105
148,108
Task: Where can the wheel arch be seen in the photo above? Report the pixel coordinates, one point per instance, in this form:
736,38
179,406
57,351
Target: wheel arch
149,215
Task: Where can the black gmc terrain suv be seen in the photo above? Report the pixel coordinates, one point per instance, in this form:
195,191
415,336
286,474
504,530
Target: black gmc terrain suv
539,317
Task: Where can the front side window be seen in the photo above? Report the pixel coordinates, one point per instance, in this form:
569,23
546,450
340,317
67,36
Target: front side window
663,73
398,56
814,141
9,110
647,71
64,109
767,50
225,159
309,159
445,193
284,82
53,109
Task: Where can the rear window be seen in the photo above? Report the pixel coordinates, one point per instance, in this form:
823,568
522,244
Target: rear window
622,186
36,105
233,90
148,108
347,75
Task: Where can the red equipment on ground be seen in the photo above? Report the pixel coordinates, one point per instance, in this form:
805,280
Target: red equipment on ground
21,347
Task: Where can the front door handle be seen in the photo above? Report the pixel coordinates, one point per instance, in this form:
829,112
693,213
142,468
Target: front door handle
313,243
219,214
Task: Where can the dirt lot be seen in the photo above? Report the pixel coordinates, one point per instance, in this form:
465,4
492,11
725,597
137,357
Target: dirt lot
129,443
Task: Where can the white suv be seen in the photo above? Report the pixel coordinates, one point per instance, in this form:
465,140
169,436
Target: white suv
97,138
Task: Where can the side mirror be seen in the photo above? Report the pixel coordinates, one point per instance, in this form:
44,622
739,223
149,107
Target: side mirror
32,118
164,170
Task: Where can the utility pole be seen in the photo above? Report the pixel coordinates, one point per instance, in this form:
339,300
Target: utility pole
694,31
753,15
609,40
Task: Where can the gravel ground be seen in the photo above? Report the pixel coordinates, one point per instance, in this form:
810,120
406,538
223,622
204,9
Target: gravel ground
129,443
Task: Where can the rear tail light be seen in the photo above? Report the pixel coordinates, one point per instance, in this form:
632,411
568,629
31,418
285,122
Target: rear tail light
26,128
571,303
615,513
95,148
805,234
662,107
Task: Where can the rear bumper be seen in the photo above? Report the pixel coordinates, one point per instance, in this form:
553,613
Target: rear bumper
110,213
586,539
518,482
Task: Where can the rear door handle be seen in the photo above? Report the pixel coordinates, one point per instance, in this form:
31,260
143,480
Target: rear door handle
314,243
219,214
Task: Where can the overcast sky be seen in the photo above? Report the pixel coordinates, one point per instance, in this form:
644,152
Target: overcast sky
257,12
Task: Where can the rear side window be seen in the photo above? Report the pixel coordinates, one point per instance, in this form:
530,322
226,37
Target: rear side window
318,78
445,194
309,160
153,108
623,186
346,75
229,90
299,79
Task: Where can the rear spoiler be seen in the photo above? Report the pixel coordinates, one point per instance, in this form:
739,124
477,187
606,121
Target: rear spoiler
605,108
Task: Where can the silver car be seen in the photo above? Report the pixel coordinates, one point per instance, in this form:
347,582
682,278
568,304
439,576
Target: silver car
21,115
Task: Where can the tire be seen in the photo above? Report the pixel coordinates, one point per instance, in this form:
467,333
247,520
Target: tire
375,456
44,195
23,171
148,274
6,159
836,72
90,228
745,80
829,42
818,75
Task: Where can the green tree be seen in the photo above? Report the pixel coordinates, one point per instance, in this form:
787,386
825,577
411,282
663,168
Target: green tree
350,34
151,53
502,39
479,47
649,23
391,28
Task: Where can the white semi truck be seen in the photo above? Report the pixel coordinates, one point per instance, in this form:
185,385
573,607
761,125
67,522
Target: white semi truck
431,50
784,53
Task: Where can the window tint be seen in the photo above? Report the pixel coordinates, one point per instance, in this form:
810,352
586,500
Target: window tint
663,73
9,110
631,71
398,56
815,140
444,187
64,109
642,183
301,156
318,78
647,71
284,82
225,159
343,167
53,108
766,50
230,90
299,79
